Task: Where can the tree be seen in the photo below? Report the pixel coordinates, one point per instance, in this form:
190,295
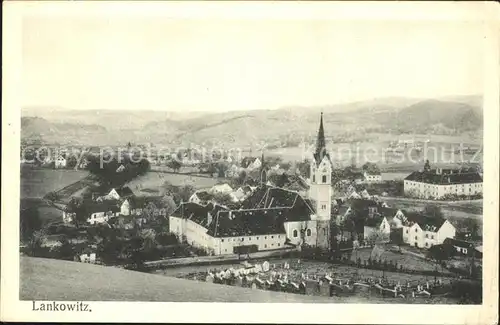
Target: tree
148,237
77,207
370,168
168,204
178,193
174,164
30,222
304,168
35,242
432,210
224,199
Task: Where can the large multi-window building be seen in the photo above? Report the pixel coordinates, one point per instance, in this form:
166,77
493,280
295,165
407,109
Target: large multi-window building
438,183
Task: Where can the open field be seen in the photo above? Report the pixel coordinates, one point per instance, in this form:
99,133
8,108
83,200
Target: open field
36,182
150,184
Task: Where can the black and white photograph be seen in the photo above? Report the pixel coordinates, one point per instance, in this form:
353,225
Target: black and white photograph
307,160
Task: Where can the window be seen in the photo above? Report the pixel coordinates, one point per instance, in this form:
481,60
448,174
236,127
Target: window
265,237
265,246
222,240
416,230
225,250
249,238
432,236
323,207
279,244
257,238
426,236
324,178
295,233
272,236
308,232
406,230
415,237
242,239
314,178
426,244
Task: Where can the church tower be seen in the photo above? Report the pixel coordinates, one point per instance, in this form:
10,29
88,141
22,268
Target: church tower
320,188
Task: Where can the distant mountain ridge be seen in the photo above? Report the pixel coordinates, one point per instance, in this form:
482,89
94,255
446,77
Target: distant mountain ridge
288,124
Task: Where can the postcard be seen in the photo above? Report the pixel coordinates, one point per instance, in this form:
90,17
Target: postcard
243,162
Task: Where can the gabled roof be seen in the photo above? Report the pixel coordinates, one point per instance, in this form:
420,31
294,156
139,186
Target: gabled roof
247,223
203,195
124,191
375,221
445,177
424,222
104,206
458,243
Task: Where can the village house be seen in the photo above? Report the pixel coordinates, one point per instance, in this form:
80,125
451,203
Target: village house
102,212
60,162
422,231
117,194
132,205
87,255
377,224
68,216
120,169
372,177
463,247
243,192
437,183
221,189
201,197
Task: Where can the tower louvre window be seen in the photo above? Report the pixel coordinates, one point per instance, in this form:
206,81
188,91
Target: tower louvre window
324,178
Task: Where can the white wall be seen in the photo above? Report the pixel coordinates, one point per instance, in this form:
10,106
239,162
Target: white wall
297,226
427,190
197,236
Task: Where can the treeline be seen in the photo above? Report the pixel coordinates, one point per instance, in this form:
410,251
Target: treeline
114,172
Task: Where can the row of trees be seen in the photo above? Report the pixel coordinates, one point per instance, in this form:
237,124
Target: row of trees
112,172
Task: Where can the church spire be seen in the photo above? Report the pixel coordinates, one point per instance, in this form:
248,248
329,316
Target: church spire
320,143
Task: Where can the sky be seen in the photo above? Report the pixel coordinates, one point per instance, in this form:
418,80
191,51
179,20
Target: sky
221,65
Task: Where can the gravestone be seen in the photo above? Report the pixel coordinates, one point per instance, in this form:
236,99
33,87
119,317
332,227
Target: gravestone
265,266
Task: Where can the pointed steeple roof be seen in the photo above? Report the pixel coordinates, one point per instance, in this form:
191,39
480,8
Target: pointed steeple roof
320,152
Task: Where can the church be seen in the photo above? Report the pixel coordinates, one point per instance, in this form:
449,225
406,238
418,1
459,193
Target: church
320,188
270,218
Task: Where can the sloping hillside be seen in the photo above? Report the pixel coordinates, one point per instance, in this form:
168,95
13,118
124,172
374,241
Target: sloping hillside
48,279
275,127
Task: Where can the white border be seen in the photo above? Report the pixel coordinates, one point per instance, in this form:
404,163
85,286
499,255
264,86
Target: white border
13,309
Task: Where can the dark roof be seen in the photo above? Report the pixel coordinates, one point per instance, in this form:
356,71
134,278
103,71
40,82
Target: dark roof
137,201
374,221
388,212
268,197
320,152
459,243
447,176
425,222
104,206
124,191
248,222
198,213
372,172
204,195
